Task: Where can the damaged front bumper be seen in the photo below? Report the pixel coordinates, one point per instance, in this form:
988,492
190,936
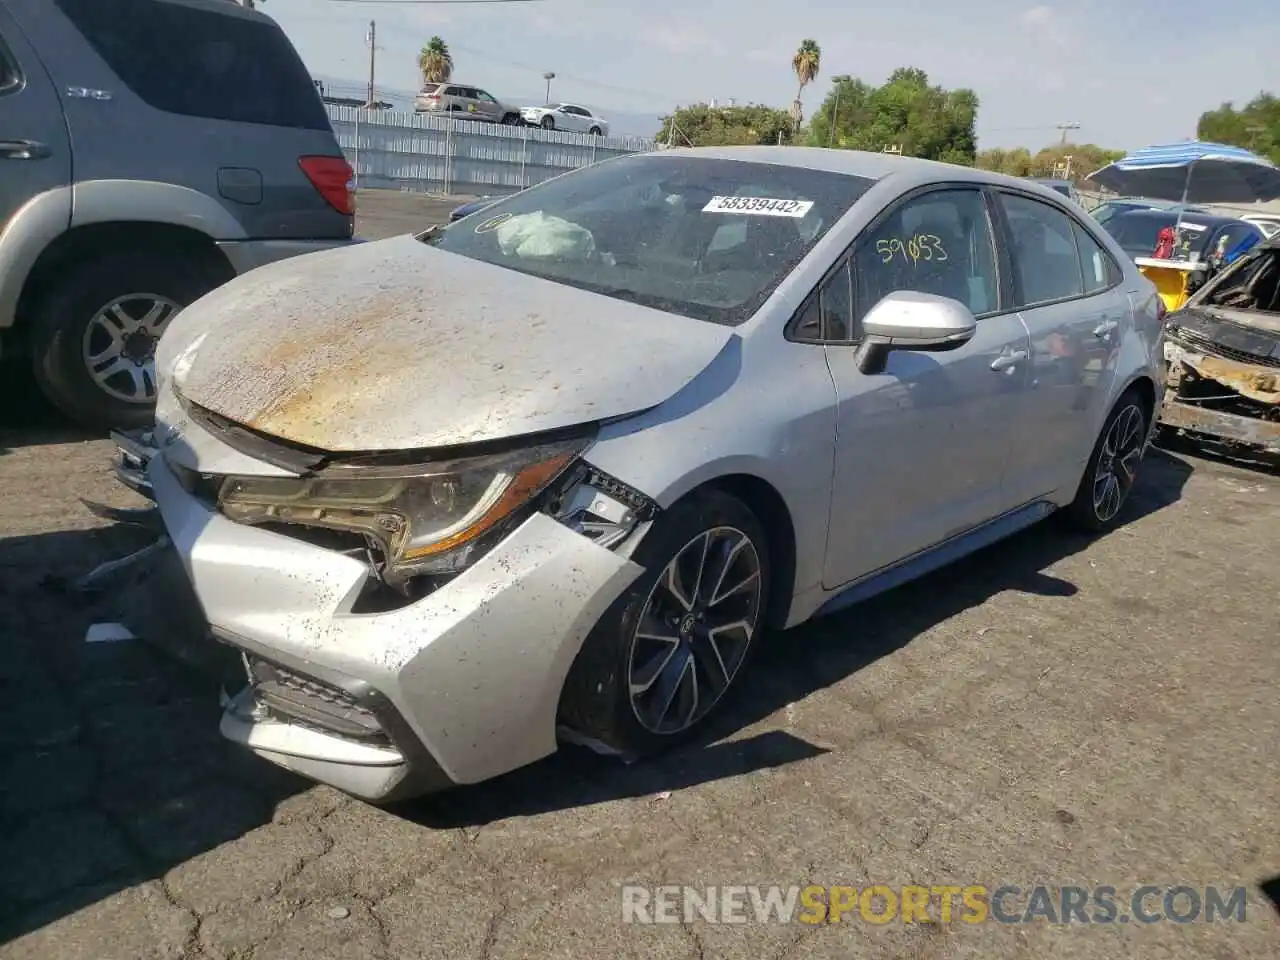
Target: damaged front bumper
134,450
457,687
1225,399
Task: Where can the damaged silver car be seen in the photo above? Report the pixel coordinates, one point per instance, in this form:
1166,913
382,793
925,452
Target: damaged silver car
1223,352
549,472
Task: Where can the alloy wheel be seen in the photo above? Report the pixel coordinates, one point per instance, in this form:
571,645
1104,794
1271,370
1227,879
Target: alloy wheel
119,345
1118,460
694,630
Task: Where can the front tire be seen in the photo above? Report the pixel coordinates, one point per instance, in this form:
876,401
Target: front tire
667,654
1112,467
94,335
596,132
547,123
511,119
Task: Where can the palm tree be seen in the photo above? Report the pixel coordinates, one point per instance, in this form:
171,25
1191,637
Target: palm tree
435,61
806,64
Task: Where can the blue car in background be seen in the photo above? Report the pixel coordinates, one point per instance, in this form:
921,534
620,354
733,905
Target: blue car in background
469,208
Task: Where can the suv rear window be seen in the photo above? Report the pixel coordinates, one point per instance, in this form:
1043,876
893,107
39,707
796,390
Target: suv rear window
201,63
430,87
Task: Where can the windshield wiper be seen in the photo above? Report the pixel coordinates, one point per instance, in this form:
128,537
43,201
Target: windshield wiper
430,233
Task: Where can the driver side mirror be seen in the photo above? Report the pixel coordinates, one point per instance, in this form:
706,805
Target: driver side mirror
910,320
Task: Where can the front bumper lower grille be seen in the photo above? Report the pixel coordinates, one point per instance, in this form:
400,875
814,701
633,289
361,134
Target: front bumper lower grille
295,698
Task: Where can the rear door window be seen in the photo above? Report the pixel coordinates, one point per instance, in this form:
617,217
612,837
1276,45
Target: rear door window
201,63
1046,266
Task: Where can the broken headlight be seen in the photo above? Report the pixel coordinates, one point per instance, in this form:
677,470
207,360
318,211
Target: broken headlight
427,518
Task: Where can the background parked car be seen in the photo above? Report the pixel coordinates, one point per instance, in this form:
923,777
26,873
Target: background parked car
1064,187
131,185
465,102
1201,234
1268,223
566,116
471,207
1110,208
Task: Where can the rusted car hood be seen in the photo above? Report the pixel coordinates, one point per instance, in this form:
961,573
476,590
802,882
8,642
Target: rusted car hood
396,345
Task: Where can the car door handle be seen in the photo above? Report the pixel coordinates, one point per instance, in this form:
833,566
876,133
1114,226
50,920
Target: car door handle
22,150
1103,330
1007,361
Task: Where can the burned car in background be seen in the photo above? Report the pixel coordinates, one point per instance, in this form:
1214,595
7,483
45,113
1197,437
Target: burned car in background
1223,352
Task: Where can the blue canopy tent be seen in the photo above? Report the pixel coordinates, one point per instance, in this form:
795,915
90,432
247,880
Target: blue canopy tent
1193,171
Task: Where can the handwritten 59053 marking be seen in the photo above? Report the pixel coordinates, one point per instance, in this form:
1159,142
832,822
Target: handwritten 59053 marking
923,246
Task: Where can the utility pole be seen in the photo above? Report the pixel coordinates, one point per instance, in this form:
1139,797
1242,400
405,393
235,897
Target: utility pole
1064,127
548,76
373,55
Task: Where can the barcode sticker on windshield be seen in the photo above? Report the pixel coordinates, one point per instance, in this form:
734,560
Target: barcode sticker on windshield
759,206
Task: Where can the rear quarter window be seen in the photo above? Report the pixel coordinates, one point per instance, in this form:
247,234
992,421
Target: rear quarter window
201,63
9,76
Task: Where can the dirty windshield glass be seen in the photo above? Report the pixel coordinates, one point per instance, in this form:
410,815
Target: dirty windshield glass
704,238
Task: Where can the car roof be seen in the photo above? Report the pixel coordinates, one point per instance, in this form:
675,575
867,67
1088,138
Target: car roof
1205,219
911,171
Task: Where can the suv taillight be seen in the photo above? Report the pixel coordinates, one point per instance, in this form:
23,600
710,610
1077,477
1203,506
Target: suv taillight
333,179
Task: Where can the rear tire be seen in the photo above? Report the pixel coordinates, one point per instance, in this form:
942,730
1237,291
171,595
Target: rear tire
511,119
596,132
1113,466
655,645
72,324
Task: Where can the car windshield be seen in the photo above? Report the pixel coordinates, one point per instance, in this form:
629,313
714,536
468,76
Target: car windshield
1138,233
430,87
705,238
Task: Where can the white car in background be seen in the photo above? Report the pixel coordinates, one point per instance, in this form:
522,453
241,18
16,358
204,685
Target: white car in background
566,116
1268,223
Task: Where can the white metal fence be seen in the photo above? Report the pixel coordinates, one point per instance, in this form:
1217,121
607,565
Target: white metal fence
426,154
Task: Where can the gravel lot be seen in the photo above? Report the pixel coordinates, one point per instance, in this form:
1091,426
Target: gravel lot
1055,709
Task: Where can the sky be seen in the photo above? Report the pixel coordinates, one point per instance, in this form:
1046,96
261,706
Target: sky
1130,73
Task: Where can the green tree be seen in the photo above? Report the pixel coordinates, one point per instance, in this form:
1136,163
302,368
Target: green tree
1019,162
705,126
1255,126
924,120
435,61
805,65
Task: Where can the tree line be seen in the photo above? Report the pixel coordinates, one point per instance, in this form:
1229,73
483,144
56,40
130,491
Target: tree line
908,114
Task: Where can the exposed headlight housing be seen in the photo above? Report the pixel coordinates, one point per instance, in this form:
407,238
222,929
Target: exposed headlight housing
424,519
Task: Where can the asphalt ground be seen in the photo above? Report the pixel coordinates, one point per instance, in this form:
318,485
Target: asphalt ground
1055,710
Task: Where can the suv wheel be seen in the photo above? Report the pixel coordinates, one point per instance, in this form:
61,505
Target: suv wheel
548,122
511,119
596,132
664,656
94,339
1113,466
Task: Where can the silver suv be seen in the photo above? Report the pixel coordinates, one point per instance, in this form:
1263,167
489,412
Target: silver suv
149,151
465,103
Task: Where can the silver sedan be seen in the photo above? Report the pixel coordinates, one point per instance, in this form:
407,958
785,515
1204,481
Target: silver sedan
549,472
